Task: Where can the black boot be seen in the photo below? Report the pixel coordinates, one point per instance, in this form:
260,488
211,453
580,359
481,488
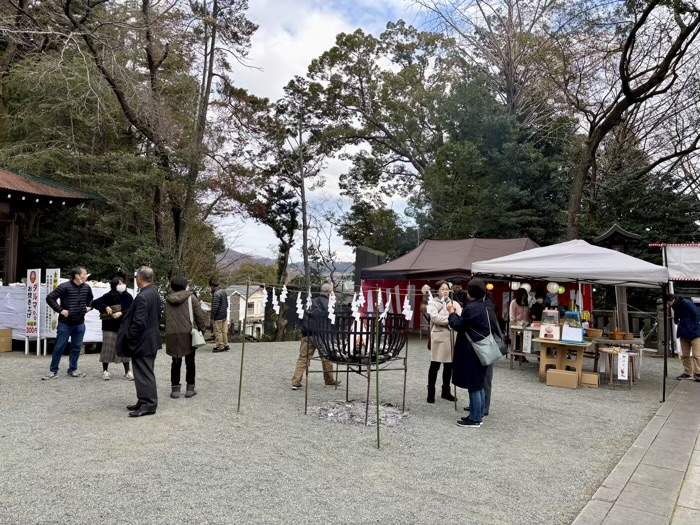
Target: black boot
190,391
431,394
446,394
446,380
432,379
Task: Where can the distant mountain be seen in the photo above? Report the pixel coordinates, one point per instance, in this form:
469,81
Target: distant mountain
233,258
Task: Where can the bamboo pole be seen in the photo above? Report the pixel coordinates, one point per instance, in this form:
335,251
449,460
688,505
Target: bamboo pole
405,374
245,322
376,360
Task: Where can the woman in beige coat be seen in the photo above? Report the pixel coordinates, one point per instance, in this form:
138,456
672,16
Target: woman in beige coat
441,342
178,333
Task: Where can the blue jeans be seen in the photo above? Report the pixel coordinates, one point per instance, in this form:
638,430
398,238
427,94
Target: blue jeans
63,332
476,405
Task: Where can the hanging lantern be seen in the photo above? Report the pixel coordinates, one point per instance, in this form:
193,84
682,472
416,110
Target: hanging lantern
514,285
489,287
527,287
562,290
553,288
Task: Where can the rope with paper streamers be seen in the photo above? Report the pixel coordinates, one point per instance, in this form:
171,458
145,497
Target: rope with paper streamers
357,304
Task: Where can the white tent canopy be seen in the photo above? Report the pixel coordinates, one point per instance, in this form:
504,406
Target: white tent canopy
574,261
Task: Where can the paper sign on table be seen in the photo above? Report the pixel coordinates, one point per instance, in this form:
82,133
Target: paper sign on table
527,341
623,366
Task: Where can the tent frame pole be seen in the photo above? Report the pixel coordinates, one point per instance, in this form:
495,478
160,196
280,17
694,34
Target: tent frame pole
664,295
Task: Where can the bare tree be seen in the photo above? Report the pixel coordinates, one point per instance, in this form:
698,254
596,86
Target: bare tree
510,40
206,36
644,80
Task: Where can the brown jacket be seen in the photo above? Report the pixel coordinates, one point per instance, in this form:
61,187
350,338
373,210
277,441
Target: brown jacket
178,336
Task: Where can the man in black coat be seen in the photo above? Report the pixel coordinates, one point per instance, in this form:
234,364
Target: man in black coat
139,338
71,300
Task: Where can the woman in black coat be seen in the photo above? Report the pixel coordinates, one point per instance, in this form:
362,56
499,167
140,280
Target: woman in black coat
467,370
112,319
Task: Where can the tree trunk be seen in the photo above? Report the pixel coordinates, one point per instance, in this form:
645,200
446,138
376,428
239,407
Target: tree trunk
573,229
304,217
184,212
285,250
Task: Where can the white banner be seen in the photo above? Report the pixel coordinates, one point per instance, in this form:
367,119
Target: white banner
527,341
53,277
506,305
33,298
683,262
623,366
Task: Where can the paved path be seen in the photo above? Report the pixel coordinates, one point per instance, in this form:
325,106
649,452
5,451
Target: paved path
657,482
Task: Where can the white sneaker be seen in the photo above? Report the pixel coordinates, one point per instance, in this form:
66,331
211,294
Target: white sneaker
106,375
129,376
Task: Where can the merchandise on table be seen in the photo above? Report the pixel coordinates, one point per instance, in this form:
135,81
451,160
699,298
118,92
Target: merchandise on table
549,328
572,331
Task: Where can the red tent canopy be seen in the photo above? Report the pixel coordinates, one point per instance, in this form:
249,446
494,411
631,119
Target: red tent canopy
446,259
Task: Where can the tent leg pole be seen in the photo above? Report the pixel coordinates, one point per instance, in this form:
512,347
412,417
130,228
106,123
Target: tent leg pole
665,307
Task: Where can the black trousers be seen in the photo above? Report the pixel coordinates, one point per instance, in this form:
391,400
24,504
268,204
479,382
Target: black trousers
446,374
177,365
145,381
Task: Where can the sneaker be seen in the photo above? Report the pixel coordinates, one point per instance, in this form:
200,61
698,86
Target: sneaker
335,383
76,373
466,422
129,376
683,376
696,378
50,375
227,348
217,350
106,375
296,387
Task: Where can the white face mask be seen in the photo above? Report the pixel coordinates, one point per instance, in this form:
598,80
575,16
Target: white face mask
540,301
121,288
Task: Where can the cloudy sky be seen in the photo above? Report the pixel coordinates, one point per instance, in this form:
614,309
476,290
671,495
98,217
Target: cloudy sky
291,33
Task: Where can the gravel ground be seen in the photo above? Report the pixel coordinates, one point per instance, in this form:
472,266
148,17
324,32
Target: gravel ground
70,455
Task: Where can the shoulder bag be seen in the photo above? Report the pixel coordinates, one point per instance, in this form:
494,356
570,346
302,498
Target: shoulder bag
487,349
197,336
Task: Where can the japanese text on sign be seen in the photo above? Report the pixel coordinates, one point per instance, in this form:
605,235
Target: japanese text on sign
33,305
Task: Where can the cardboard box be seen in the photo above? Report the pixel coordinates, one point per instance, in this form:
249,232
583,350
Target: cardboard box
6,340
562,378
590,379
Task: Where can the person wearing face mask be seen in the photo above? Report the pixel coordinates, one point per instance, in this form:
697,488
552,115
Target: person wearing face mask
113,307
71,300
441,342
537,308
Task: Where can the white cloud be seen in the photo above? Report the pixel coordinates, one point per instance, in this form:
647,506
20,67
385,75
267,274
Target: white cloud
291,33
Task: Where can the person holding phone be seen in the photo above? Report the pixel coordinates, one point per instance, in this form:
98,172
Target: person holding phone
441,342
